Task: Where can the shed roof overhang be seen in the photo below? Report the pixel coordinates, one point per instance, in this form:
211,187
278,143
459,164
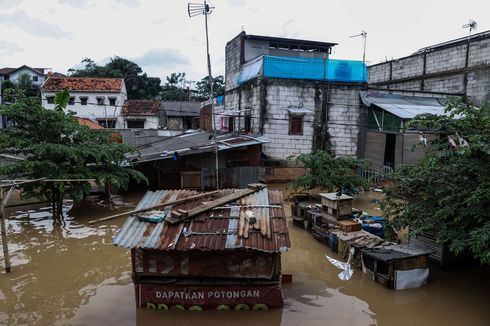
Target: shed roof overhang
404,107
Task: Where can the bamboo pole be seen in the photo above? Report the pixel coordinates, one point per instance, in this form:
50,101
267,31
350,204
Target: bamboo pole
168,203
19,182
4,229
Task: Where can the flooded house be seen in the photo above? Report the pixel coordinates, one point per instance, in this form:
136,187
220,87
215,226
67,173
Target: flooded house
294,93
216,251
188,161
388,141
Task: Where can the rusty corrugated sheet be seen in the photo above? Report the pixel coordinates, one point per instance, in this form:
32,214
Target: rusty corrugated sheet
216,230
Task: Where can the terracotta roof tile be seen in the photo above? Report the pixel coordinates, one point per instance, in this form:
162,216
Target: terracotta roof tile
141,107
83,84
89,123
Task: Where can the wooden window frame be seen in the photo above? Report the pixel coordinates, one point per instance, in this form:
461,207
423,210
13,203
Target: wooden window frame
296,117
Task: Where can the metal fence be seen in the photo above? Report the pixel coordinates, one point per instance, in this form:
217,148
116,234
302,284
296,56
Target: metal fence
375,176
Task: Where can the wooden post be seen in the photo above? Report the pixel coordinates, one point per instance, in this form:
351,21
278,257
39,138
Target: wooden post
4,229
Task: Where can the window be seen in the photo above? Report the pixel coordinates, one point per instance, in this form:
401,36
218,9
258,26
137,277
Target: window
100,100
248,123
109,123
50,99
136,124
295,124
71,100
112,101
83,100
35,78
231,124
6,77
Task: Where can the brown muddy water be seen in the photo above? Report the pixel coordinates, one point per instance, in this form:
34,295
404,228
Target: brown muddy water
71,274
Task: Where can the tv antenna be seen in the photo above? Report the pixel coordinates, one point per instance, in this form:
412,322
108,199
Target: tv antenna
472,25
363,34
196,9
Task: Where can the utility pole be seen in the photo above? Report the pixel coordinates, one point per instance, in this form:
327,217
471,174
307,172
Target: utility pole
194,9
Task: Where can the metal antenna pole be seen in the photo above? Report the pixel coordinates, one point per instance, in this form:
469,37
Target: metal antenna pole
194,9
210,80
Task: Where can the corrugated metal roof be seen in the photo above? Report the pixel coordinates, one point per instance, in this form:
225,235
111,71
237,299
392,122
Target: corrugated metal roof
182,109
219,229
194,143
405,107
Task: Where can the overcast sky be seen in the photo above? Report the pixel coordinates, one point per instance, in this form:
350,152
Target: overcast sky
161,38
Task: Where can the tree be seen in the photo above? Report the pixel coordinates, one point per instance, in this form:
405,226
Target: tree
138,84
203,87
8,91
25,84
56,146
449,191
173,89
329,172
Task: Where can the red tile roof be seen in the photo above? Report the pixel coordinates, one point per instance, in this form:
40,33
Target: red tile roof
83,84
141,107
89,123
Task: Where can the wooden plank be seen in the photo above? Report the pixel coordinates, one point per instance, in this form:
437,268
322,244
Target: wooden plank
4,229
252,188
168,203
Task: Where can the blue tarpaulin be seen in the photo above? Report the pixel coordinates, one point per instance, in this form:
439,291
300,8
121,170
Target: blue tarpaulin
313,68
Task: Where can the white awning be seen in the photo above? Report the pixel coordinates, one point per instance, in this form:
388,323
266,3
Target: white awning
298,111
402,106
408,111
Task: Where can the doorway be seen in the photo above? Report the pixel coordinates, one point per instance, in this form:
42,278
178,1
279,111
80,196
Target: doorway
390,144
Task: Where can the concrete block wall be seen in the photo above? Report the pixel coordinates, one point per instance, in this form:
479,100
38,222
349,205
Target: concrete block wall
344,119
344,115
446,59
280,97
445,69
479,53
479,85
408,67
232,62
379,73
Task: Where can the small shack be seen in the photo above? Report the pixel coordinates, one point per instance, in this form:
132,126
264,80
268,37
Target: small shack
228,257
387,142
188,161
397,266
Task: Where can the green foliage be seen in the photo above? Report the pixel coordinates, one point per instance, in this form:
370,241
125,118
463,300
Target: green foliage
329,172
450,190
56,146
203,87
173,89
138,84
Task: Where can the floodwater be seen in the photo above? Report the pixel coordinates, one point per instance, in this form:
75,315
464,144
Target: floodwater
71,274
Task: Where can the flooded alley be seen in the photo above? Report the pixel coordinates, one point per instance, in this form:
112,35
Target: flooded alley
72,274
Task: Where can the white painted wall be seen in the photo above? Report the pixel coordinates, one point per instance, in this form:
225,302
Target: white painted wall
92,110
14,77
151,122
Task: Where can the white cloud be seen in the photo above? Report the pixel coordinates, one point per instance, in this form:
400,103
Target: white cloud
9,48
79,4
129,3
4,4
168,58
237,3
34,26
